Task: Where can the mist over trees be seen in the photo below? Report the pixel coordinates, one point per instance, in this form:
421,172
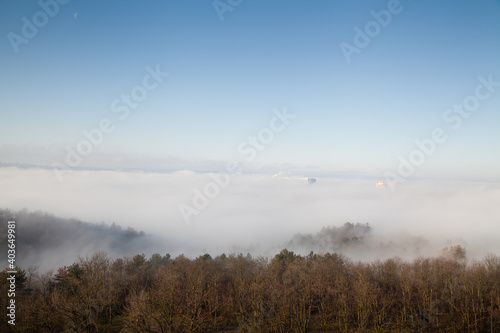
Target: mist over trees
334,239
360,242
48,241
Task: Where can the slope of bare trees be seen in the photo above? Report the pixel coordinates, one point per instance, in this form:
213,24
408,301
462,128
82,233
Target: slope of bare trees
289,293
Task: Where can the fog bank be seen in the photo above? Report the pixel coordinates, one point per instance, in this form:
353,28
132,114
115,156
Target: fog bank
261,213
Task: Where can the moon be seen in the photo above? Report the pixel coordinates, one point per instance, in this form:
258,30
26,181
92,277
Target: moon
75,15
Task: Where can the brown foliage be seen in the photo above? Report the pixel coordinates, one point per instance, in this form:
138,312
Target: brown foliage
289,293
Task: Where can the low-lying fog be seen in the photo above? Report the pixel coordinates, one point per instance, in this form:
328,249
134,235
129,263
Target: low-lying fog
261,213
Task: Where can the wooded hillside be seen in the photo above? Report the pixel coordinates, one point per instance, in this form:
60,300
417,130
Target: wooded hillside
289,293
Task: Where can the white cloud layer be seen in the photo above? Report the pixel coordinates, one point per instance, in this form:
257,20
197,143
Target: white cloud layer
261,212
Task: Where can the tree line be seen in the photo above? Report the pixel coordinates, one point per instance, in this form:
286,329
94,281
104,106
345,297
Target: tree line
237,293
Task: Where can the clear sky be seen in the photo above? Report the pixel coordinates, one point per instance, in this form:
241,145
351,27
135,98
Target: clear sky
227,76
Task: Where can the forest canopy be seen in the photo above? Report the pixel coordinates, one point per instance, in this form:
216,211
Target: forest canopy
238,293
291,291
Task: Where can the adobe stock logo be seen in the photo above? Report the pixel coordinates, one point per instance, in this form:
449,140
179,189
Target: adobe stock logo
222,6
372,29
247,148
29,29
122,106
454,117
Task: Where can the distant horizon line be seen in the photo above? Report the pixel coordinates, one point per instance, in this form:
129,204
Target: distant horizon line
259,172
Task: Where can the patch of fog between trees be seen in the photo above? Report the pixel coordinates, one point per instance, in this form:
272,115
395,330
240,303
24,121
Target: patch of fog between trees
259,214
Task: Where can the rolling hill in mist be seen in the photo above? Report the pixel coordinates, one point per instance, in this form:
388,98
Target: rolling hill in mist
50,242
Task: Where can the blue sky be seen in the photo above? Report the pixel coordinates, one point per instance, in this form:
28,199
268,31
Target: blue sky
226,78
